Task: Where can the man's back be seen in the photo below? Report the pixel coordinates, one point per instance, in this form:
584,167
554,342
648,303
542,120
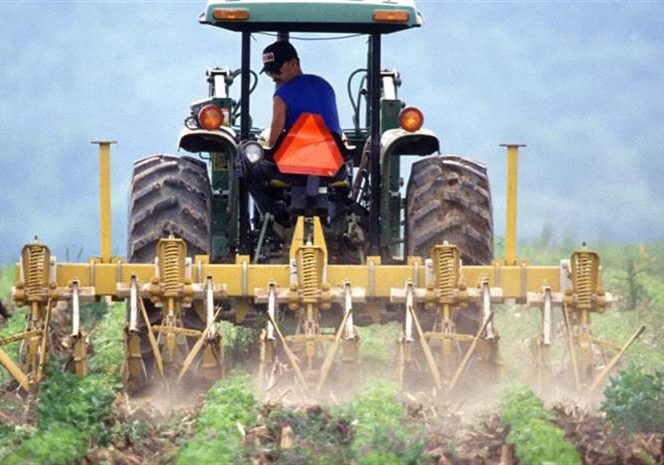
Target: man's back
308,93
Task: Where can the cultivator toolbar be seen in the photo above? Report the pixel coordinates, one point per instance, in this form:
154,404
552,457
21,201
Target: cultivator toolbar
429,295
434,288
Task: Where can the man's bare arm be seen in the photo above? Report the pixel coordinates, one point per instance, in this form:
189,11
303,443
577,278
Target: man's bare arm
278,119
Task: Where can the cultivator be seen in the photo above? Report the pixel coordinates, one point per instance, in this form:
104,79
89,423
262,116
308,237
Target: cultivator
428,293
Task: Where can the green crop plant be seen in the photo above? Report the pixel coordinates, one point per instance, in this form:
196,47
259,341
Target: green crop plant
59,445
72,412
381,435
217,439
11,436
379,342
108,344
536,439
238,341
634,400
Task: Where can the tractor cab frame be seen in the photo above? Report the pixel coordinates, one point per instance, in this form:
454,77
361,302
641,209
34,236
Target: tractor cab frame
372,147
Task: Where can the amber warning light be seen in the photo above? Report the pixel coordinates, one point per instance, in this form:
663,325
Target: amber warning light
210,117
235,14
391,16
411,119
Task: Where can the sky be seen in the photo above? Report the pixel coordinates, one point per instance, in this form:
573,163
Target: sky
581,83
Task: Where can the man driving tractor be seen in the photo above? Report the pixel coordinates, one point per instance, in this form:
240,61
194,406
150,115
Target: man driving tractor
296,94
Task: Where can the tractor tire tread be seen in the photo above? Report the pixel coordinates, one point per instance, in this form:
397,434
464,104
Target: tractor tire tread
448,199
168,195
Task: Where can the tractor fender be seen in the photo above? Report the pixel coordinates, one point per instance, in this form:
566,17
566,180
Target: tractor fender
203,140
401,142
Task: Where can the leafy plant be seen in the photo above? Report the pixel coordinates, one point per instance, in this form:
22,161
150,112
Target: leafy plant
108,343
379,342
59,445
634,400
537,440
72,411
381,435
11,436
82,403
217,439
238,341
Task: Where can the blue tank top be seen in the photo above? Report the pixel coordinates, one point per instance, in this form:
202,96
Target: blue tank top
309,93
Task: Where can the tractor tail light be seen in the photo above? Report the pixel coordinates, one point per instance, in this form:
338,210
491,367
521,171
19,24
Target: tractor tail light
234,14
210,117
411,119
391,16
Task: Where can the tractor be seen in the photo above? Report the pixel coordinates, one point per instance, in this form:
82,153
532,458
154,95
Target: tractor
344,246
358,205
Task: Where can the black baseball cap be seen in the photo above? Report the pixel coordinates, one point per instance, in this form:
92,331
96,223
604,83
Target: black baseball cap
276,54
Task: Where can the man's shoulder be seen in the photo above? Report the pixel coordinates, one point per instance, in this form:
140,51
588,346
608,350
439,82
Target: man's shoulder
310,81
314,78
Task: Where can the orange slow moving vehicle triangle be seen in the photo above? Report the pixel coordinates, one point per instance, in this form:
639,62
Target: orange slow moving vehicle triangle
309,149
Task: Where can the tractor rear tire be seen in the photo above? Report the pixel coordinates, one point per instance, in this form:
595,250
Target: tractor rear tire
449,199
169,195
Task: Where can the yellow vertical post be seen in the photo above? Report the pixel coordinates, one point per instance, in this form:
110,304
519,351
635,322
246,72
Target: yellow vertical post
105,198
510,223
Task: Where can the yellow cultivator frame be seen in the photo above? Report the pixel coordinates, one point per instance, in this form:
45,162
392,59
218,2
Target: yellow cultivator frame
308,285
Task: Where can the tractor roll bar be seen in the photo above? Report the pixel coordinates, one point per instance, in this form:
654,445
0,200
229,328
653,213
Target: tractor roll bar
374,97
245,129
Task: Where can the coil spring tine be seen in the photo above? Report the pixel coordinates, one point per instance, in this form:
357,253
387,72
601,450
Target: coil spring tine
446,273
584,280
309,275
170,269
36,271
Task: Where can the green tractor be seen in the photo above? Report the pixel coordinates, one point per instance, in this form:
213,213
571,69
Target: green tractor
204,200
447,198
